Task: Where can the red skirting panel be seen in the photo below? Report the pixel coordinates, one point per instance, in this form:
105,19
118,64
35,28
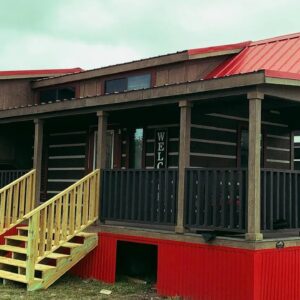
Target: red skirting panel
207,272
11,231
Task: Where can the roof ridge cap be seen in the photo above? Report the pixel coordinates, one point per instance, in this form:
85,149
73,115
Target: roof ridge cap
276,39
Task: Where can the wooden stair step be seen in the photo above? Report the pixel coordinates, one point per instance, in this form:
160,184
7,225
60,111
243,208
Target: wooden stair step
15,277
81,234
22,264
23,227
20,238
13,249
55,255
85,234
70,245
26,228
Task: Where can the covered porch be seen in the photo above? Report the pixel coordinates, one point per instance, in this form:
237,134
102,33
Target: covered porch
212,189
179,166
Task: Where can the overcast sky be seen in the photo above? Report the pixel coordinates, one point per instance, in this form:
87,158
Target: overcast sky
94,33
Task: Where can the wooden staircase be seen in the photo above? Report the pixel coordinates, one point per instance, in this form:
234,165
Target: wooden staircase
50,239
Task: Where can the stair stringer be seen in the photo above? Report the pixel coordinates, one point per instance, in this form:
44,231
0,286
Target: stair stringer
65,264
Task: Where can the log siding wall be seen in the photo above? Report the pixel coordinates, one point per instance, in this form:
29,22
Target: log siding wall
66,159
215,139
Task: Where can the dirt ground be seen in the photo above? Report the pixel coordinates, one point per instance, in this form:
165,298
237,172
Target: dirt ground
70,287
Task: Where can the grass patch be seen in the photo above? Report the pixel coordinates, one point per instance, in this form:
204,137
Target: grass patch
71,287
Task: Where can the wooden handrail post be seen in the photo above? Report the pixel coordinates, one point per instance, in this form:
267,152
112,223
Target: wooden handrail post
184,160
254,158
37,156
32,246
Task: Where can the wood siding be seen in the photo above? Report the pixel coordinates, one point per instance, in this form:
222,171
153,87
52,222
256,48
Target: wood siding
168,74
187,71
15,92
90,87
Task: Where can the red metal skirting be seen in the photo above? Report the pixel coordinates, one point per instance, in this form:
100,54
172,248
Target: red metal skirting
198,271
11,231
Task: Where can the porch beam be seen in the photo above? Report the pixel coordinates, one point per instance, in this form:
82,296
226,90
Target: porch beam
184,159
254,158
37,156
101,139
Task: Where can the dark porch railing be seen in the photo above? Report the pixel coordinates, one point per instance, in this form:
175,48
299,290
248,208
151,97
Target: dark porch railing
280,196
216,199
142,196
7,176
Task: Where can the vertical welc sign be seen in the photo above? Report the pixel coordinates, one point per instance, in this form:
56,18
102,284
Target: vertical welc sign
161,148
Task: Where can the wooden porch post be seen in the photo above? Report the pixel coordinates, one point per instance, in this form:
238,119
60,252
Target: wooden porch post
37,156
101,139
101,152
254,157
184,159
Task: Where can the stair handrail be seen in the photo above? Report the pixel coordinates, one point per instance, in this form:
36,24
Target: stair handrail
16,200
60,218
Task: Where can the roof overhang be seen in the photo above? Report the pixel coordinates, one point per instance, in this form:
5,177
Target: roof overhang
191,91
25,74
196,90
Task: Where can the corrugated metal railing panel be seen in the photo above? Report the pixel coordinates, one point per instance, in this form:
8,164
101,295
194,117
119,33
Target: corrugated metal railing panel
144,196
7,176
216,199
280,206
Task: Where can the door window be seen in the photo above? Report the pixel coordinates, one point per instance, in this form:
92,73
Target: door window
136,148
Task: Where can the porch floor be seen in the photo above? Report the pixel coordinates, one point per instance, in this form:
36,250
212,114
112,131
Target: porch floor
289,237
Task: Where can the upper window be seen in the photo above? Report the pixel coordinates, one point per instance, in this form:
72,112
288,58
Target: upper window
128,83
57,94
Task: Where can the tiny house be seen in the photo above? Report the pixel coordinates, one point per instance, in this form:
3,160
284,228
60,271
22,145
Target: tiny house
183,168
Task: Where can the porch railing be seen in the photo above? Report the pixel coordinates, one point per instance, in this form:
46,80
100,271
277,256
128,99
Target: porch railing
143,196
280,199
16,200
216,199
7,176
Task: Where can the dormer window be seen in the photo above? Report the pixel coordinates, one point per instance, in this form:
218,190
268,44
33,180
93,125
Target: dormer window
60,93
128,83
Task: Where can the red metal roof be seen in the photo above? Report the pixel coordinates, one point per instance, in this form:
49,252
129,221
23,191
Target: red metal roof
279,57
218,48
39,72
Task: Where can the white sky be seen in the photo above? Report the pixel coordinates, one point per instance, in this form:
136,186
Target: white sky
94,33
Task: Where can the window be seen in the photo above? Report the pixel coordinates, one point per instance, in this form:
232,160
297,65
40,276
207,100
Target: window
128,83
57,94
244,148
136,148
115,85
139,82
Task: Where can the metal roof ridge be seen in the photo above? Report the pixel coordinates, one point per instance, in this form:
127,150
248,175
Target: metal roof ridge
276,39
218,48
